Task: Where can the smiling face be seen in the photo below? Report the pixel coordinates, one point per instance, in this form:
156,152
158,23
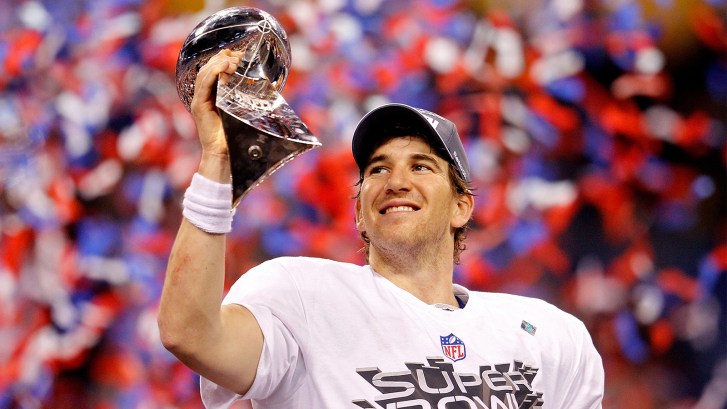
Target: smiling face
407,201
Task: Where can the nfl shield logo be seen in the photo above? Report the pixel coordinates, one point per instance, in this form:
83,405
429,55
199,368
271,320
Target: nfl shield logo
453,347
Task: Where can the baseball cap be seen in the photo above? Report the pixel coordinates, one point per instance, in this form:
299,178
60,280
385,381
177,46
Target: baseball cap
440,132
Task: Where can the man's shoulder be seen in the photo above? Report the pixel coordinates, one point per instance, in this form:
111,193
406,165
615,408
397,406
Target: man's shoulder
312,264
511,299
512,304
310,268
297,275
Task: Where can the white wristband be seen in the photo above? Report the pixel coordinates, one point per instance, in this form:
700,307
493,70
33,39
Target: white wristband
208,205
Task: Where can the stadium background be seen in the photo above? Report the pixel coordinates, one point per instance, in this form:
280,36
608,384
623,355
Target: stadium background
595,130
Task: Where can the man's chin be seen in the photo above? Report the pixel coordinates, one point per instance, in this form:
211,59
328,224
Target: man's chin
401,240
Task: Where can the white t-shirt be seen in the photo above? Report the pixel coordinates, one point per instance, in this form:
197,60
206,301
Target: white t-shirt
339,336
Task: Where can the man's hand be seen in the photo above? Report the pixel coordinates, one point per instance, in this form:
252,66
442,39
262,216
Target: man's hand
215,163
209,126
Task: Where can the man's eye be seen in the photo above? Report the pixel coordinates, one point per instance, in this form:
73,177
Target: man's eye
421,168
376,169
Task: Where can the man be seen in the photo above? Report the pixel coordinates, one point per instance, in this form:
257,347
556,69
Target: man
313,333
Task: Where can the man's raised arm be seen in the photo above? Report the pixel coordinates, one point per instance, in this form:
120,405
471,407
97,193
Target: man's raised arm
222,344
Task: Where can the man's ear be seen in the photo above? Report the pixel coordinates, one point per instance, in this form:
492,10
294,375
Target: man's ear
358,214
463,212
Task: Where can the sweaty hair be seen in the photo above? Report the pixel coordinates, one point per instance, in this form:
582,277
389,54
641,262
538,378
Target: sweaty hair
459,187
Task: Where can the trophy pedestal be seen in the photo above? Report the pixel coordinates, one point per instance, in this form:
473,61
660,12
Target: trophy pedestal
256,154
263,133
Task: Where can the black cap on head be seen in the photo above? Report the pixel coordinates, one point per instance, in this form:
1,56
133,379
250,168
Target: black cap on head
440,132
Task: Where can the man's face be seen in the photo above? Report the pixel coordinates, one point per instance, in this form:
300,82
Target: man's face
407,198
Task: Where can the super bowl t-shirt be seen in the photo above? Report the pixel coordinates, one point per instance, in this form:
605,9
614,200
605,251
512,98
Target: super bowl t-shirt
339,335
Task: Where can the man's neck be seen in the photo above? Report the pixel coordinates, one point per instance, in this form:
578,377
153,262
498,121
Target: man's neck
424,276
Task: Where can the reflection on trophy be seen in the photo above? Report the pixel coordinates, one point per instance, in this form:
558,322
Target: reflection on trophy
262,130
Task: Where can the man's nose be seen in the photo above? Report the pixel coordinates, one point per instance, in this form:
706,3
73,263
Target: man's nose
399,180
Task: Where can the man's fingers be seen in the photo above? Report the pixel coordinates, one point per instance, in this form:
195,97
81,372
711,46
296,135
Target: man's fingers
225,61
232,62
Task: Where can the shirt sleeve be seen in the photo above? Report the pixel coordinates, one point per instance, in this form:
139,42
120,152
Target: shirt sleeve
270,293
584,387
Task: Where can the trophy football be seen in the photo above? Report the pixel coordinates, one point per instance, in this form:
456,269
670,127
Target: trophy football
262,131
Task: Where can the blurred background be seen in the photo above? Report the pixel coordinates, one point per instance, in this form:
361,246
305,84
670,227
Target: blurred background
595,130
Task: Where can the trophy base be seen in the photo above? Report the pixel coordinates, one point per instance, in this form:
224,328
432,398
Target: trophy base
263,132
255,155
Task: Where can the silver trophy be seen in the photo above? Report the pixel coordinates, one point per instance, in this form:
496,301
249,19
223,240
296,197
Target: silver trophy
262,130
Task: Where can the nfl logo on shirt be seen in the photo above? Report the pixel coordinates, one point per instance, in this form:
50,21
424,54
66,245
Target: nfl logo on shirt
453,347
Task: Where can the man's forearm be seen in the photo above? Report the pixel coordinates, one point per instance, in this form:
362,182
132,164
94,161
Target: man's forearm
194,282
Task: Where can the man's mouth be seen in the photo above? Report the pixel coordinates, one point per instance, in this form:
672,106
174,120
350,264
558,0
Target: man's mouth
397,209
